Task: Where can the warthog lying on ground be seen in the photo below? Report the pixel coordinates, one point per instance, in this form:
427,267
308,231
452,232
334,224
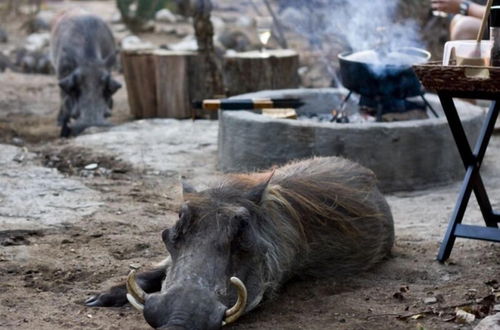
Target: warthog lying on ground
318,217
83,53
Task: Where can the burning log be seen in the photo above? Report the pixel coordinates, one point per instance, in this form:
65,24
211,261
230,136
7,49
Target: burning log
253,71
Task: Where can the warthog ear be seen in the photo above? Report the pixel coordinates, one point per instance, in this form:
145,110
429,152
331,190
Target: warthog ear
110,85
257,192
113,86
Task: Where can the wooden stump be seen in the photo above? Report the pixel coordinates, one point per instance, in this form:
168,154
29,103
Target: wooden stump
163,83
139,72
254,71
178,82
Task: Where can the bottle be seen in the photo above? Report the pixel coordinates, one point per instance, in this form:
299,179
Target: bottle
495,35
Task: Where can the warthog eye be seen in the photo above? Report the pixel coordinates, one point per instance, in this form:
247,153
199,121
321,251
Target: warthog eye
169,241
241,239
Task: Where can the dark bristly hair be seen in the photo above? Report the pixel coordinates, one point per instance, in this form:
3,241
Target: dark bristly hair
319,217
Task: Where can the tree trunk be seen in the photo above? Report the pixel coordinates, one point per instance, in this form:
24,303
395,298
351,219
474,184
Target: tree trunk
179,81
204,31
140,77
254,71
163,83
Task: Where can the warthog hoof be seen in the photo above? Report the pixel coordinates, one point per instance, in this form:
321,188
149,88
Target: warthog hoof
116,297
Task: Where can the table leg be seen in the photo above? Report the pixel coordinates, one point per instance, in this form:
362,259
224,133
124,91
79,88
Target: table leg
472,162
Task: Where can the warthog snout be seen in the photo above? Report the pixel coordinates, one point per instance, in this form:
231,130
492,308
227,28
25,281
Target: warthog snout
186,307
77,127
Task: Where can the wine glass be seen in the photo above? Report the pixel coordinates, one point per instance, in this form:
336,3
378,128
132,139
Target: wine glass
264,29
439,13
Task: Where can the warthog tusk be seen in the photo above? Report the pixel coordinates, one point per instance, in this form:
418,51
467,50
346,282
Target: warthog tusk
136,295
233,313
134,302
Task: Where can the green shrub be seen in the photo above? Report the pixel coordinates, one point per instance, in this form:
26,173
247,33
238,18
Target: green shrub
137,13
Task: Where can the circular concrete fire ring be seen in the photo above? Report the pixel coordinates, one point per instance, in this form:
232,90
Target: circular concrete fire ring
404,155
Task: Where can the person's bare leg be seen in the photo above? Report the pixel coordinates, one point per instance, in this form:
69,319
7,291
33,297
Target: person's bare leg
464,27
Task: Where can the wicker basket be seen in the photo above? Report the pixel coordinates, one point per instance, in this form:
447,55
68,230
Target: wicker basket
436,77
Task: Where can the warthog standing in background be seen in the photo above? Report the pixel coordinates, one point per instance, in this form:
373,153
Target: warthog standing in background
83,53
318,217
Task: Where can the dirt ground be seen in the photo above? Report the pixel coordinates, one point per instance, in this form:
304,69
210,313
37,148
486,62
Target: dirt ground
47,272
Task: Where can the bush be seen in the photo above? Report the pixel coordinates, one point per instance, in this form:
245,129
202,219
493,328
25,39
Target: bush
137,13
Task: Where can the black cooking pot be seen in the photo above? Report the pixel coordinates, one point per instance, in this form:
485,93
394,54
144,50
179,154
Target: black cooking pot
382,80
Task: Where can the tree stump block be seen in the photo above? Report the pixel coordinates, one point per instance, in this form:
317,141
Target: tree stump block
254,71
179,81
139,69
162,84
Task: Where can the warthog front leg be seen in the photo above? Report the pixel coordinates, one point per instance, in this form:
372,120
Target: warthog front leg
149,281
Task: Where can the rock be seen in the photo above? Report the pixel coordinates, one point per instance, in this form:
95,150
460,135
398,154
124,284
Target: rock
4,62
489,323
464,317
36,25
116,18
37,41
133,42
50,196
43,19
291,16
244,21
187,44
218,24
43,64
3,36
120,28
92,166
33,61
28,63
17,141
236,40
430,300
166,16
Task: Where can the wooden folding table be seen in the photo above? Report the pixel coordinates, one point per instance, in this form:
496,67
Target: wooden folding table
471,83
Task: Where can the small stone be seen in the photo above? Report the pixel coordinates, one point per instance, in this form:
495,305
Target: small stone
92,166
430,300
133,42
17,141
463,317
496,308
166,16
135,266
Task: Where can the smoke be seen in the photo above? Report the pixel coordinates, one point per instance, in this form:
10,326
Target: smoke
334,26
353,24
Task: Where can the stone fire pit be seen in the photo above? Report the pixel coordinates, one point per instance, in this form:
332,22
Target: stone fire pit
405,155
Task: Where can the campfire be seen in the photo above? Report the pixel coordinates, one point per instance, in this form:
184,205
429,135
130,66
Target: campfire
386,84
